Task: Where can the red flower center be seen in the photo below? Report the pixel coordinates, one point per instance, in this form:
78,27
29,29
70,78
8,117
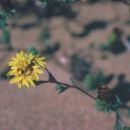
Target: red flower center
32,69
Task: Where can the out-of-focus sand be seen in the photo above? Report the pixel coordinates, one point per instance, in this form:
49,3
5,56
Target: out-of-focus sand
41,108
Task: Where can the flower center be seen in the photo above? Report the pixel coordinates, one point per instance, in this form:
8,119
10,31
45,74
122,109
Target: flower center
32,69
18,69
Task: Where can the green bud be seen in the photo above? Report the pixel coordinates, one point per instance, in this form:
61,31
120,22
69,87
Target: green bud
32,50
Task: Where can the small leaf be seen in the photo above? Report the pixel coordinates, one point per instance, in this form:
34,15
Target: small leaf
61,88
64,89
102,105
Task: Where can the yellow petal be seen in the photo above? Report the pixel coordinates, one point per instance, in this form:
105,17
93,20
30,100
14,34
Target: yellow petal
42,64
17,55
14,59
31,82
19,85
35,77
25,82
36,66
12,63
16,79
38,71
8,74
21,55
41,58
30,55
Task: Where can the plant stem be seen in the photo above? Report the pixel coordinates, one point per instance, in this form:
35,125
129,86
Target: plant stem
76,87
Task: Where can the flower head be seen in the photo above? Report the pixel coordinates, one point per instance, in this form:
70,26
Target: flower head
25,69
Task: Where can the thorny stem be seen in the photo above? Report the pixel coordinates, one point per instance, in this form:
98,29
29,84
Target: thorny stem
76,87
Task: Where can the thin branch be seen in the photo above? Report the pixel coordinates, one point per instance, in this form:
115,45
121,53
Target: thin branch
58,82
47,70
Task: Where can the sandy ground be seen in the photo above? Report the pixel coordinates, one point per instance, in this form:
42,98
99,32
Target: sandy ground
42,108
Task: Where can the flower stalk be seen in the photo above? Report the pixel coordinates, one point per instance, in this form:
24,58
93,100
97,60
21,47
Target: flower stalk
53,80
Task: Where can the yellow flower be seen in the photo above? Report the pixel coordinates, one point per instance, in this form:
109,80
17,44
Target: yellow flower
25,69
22,60
27,77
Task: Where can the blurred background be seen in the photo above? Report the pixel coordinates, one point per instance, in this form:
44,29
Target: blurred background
86,40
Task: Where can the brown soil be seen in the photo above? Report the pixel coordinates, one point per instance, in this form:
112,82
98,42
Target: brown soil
41,108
